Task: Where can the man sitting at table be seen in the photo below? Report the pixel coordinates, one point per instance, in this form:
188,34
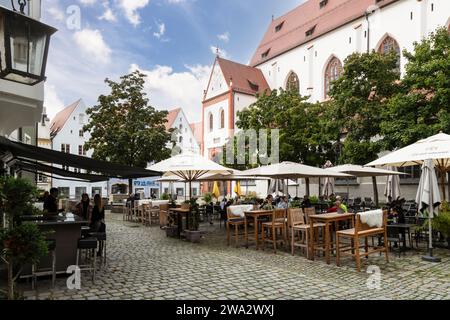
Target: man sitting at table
306,203
268,203
51,203
282,204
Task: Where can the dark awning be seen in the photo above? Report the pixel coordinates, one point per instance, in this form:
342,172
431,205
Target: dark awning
35,159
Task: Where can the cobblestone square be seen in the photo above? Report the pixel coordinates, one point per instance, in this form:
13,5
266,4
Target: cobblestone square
145,264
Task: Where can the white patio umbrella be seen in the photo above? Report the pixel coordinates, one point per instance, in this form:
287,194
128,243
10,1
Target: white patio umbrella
360,171
428,198
392,189
292,170
189,167
436,148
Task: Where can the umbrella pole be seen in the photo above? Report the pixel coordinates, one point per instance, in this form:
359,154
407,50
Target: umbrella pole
307,187
443,184
348,189
375,190
430,257
448,184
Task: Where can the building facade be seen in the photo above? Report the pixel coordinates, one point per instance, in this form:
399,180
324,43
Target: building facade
67,136
44,140
305,50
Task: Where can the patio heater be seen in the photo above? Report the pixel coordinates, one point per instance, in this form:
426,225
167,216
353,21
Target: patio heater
24,44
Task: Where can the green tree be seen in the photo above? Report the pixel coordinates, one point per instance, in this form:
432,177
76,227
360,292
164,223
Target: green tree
358,97
422,107
124,128
301,138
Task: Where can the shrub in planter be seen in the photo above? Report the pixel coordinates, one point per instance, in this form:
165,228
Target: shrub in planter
20,243
18,246
441,222
193,234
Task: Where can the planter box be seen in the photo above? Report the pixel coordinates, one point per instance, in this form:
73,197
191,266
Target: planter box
193,236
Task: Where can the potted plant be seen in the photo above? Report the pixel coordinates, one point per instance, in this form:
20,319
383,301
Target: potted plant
441,222
193,234
208,197
20,243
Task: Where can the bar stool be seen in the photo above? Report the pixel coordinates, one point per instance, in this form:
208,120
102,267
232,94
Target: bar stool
101,239
36,272
85,230
89,245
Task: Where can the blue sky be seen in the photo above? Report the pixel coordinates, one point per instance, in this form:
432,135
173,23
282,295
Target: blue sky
172,41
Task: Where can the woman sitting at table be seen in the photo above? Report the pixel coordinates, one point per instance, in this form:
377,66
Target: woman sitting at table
268,203
84,207
97,222
338,207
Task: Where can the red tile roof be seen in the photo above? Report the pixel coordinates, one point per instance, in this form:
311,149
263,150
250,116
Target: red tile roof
197,131
309,17
61,118
171,117
245,79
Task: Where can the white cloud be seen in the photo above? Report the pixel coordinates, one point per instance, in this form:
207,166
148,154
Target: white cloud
88,2
131,8
161,30
108,15
225,37
92,44
56,13
52,102
184,89
220,52
176,1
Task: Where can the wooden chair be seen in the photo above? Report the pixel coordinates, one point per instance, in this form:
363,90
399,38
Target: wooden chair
236,221
154,215
362,231
277,223
163,212
145,214
297,225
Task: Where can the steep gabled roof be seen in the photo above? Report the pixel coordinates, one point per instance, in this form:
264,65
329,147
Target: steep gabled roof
307,22
61,118
197,131
171,117
245,79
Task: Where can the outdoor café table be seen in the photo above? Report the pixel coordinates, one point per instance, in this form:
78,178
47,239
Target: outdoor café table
256,214
404,228
180,212
328,219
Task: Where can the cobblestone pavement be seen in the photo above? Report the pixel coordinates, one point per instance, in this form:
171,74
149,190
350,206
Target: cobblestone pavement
144,264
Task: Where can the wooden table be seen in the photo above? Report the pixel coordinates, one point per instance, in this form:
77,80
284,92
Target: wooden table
256,214
328,218
180,212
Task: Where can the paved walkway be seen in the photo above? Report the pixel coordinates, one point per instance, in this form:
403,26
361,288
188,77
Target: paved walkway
144,264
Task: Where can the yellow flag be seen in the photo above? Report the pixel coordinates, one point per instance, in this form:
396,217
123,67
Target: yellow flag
216,191
237,189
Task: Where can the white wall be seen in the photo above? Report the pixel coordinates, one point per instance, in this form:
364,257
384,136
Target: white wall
218,136
69,134
394,20
218,84
189,143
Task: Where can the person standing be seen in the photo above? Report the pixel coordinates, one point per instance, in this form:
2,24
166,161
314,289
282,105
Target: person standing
51,202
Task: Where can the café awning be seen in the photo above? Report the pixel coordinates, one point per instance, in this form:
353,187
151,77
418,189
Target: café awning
35,159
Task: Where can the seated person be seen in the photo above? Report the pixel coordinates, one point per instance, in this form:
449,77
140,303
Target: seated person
306,203
338,207
282,204
268,203
84,208
51,203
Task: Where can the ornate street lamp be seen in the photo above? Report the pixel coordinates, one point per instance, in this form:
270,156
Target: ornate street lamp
24,46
